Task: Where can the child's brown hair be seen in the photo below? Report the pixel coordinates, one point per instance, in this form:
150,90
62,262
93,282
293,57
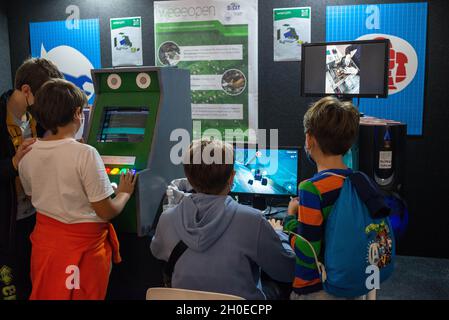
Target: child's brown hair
204,173
334,124
56,104
35,72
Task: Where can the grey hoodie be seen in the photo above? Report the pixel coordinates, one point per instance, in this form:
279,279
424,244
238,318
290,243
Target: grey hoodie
228,244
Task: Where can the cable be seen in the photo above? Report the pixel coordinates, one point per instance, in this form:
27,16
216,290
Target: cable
274,213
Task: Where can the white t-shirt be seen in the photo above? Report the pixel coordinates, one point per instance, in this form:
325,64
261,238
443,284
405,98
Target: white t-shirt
63,177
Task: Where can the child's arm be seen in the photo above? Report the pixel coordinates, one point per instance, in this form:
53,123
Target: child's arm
165,238
97,185
291,221
274,254
310,226
109,208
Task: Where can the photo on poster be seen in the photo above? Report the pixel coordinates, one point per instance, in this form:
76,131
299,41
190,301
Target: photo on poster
233,82
169,54
343,69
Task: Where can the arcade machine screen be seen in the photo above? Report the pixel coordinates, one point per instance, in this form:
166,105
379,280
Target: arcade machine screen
123,125
346,69
266,172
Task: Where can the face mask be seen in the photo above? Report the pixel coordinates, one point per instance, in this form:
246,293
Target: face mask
309,157
30,109
79,134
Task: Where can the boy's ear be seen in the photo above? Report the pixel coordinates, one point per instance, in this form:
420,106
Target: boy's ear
26,89
27,92
78,113
309,142
231,178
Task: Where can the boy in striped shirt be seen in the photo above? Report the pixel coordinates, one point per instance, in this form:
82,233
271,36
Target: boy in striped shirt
331,128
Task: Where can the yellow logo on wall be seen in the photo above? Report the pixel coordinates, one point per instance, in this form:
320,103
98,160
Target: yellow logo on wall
6,275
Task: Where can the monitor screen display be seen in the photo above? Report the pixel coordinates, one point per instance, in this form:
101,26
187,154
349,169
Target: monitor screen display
266,172
352,69
123,125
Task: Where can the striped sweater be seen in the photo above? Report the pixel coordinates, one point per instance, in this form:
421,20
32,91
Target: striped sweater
317,197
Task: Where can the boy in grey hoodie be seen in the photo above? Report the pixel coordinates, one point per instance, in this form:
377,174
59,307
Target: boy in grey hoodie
228,243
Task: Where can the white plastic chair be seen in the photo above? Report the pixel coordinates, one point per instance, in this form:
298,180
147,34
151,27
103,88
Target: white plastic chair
184,294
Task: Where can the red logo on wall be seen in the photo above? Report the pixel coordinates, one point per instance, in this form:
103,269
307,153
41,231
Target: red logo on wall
403,61
398,60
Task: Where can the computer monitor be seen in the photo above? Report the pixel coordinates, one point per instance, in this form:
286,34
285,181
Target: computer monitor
266,172
123,125
346,69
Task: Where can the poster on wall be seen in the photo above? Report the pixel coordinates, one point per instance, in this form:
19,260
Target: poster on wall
292,28
217,41
405,25
126,41
75,51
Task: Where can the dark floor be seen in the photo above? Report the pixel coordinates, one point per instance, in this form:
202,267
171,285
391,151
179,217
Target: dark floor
417,279
413,279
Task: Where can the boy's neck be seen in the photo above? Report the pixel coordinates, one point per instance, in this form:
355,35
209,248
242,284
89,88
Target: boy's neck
330,162
67,132
16,107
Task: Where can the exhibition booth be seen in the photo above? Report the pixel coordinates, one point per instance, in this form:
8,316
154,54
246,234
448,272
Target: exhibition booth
245,76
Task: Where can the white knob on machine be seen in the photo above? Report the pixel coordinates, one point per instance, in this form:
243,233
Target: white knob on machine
114,185
143,80
114,81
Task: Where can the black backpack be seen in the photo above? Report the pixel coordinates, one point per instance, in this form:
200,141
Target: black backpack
177,252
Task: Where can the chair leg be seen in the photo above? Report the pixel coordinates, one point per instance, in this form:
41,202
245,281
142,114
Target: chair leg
372,295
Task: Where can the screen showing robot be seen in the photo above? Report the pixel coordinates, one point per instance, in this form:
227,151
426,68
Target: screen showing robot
123,125
267,172
358,68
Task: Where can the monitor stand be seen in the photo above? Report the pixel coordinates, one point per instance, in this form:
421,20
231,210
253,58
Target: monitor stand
259,203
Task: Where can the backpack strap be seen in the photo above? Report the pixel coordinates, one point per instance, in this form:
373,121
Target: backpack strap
321,268
335,175
177,252
319,265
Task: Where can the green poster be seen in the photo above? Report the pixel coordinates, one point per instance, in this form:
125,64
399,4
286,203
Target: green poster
217,41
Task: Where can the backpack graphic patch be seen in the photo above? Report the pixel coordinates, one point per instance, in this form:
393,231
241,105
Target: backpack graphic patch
380,249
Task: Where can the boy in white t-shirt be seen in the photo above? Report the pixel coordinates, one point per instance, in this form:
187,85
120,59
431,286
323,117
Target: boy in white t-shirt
73,243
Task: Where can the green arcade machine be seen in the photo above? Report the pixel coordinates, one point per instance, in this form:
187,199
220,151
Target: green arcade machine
135,111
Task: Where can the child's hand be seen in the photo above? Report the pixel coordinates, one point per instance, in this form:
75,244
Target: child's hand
276,224
127,183
23,149
293,206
